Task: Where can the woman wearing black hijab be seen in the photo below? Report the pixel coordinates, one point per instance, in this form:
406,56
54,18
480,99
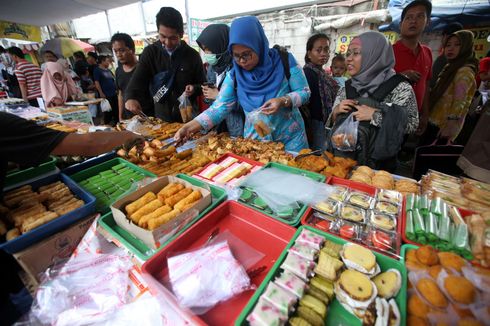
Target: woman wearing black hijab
214,42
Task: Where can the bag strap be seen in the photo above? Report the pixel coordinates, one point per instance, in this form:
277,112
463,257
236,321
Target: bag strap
387,86
350,92
283,53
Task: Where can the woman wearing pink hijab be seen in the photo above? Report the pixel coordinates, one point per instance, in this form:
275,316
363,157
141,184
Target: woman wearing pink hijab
57,86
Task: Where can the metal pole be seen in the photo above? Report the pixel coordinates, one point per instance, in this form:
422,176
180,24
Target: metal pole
188,19
143,17
108,23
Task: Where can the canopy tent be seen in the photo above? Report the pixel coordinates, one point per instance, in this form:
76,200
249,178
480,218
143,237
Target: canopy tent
41,13
466,12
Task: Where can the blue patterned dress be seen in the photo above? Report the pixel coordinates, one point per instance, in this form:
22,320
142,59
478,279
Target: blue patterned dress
287,124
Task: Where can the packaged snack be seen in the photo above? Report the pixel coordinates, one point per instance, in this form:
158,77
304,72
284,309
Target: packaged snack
310,238
291,283
300,266
265,313
386,207
280,298
304,251
383,221
390,196
327,207
360,199
350,230
382,240
352,213
339,193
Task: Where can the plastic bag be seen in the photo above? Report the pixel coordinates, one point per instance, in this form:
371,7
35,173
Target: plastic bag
185,108
105,105
83,291
202,278
261,123
282,190
345,137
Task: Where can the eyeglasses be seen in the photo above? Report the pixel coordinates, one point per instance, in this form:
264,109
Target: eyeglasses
352,53
244,56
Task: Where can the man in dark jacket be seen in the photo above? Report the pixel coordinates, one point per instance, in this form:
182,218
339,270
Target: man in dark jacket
170,54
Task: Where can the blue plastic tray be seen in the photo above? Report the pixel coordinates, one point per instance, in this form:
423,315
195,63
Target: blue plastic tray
58,224
88,163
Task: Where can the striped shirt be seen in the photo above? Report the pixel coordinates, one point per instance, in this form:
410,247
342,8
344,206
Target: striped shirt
29,74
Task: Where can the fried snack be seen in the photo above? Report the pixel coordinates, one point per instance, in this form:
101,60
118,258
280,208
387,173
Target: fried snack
451,261
143,222
18,190
156,222
145,199
184,154
460,289
406,186
361,177
169,190
427,255
51,186
15,200
147,209
365,170
63,201
417,307
192,198
187,207
383,181
469,322
64,209
262,128
384,173
174,199
43,219
431,293
417,321
12,234
434,271
20,218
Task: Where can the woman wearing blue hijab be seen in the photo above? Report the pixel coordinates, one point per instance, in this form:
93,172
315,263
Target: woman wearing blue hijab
258,82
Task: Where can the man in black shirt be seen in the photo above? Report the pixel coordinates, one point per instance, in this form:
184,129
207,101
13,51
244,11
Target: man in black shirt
123,46
92,58
169,54
81,64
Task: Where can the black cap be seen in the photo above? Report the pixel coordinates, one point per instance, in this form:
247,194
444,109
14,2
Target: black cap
426,3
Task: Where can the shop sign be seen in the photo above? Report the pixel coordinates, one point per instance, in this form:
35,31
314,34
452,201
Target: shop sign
20,31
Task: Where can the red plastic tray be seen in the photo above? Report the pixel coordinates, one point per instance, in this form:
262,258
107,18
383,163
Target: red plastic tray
371,191
222,158
259,231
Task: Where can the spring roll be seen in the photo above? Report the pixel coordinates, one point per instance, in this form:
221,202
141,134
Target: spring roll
43,219
20,218
19,190
171,201
162,219
145,210
184,154
143,222
60,193
190,199
134,206
39,198
169,190
52,185
12,234
60,202
14,201
11,195
65,209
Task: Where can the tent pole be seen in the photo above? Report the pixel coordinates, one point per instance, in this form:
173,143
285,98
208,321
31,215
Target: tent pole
108,23
143,17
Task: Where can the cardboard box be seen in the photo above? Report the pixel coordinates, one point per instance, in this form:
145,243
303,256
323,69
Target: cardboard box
37,258
158,236
73,113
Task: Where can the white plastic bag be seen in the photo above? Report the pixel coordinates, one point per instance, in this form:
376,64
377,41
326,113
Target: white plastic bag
105,105
185,108
202,278
261,123
345,137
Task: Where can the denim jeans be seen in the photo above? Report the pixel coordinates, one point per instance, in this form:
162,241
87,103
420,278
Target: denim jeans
319,135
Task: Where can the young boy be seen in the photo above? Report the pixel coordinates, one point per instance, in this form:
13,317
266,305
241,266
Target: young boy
338,68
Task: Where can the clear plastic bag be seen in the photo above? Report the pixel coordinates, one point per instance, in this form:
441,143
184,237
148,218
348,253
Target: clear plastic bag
261,123
282,190
83,291
202,278
185,108
345,137
105,105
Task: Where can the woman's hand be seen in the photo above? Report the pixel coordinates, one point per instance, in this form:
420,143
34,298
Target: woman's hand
450,130
344,106
272,105
210,93
189,90
57,101
364,113
187,130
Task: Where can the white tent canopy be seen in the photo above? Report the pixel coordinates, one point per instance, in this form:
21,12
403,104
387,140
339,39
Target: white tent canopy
41,13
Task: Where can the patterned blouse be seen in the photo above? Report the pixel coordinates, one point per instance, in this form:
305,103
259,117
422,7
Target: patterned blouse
402,95
456,100
286,124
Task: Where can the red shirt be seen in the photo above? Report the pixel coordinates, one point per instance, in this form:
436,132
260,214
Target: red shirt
405,59
29,74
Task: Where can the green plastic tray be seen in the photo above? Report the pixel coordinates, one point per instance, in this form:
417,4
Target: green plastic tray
135,245
18,176
94,170
336,315
312,175
405,248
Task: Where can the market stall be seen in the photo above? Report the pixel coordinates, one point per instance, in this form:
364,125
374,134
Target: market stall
223,231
